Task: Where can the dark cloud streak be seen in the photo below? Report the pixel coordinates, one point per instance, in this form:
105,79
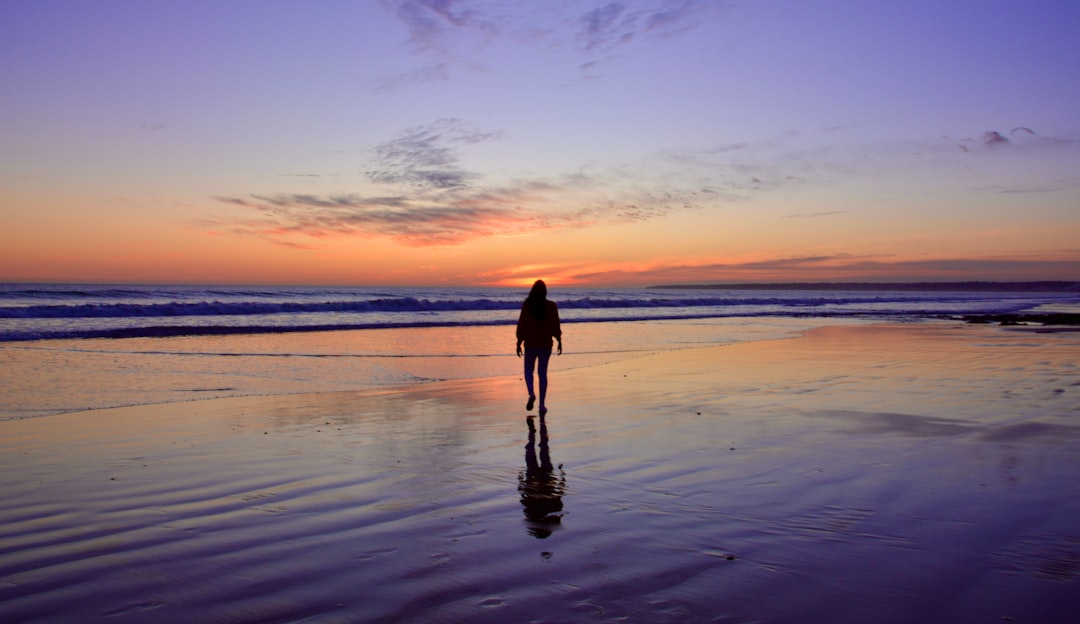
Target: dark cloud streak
812,215
395,217
1019,137
842,267
993,139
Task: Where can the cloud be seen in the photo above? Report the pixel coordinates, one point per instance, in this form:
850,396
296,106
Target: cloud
426,212
812,215
419,191
429,22
738,170
427,156
798,262
454,34
601,27
432,199
993,138
435,72
440,31
615,24
1019,137
399,218
1050,186
448,216
838,267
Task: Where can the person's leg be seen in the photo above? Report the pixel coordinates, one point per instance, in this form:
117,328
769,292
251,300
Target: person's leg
544,357
530,365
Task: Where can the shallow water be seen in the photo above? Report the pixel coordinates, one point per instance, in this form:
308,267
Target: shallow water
44,377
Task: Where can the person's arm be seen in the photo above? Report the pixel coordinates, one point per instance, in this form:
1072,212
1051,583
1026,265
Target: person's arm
520,330
558,328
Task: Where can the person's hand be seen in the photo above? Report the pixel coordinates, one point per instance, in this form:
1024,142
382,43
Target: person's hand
560,348
519,349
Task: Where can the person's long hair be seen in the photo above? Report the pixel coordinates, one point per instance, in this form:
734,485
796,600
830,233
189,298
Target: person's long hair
537,299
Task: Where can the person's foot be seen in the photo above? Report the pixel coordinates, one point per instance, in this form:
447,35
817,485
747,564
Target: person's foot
529,405
543,410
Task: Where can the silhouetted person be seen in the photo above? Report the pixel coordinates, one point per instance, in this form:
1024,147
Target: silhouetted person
537,325
541,489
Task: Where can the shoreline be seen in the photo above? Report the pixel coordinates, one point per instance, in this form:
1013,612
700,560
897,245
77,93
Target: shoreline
73,376
855,473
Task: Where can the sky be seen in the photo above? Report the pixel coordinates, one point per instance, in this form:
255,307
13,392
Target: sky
474,142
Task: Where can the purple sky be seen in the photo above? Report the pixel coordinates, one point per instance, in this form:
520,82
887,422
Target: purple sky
494,142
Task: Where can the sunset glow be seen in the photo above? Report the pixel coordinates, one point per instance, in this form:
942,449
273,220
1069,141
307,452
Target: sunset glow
415,142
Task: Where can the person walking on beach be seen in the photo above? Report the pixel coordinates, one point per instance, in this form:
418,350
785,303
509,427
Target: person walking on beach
537,325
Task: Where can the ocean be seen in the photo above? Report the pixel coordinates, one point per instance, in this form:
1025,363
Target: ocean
64,311
72,347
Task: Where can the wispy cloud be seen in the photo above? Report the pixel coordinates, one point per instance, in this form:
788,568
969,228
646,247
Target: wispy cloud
739,170
427,156
429,19
420,191
449,217
613,25
432,198
434,72
441,33
453,34
602,26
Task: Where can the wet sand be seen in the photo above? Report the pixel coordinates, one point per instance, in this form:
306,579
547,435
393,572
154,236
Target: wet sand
888,473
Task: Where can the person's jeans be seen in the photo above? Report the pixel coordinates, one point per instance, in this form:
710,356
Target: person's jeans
533,356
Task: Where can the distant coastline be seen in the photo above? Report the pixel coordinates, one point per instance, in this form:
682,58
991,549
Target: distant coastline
969,286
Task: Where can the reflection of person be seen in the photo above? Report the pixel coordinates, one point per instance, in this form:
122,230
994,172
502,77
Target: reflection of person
541,489
537,325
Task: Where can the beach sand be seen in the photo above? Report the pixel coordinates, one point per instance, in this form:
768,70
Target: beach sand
902,473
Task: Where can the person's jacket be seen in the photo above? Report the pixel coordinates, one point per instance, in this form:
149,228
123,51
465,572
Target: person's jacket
538,332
